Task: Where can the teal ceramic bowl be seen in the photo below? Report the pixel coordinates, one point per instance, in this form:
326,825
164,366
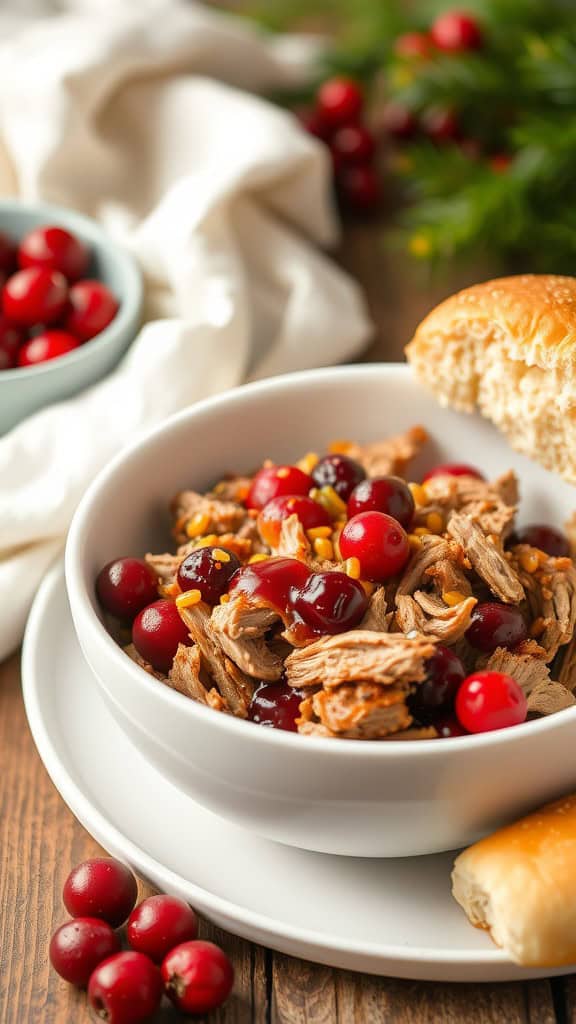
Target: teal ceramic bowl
25,390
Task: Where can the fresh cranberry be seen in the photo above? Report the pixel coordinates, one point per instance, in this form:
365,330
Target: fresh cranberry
35,296
8,251
125,586
274,581
79,946
310,513
453,469
444,673
125,989
198,976
447,726
331,602
92,306
208,570
398,121
276,705
440,124
55,249
456,31
313,121
496,625
340,100
546,538
490,700
413,45
272,481
158,924
156,633
46,346
11,338
378,542
359,188
100,887
353,144
387,494
340,473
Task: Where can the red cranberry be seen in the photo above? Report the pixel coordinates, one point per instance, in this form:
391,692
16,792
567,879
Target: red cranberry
387,494
125,586
198,976
272,481
444,673
378,542
55,249
359,188
340,473
490,700
276,705
398,121
92,307
440,124
156,633
7,255
447,726
500,162
35,296
340,100
453,469
331,602
275,581
456,31
353,144
496,625
546,538
158,924
46,346
11,338
100,887
413,45
125,989
315,123
208,570
79,946
310,513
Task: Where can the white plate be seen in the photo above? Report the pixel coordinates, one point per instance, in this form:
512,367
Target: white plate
390,917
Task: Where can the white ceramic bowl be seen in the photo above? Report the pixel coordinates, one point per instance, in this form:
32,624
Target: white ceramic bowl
347,797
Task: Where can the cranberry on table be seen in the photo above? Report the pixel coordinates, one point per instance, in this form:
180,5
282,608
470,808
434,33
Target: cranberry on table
310,513
55,249
331,602
437,692
440,124
378,542
158,924
453,469
275,581
125,586
198,976
487,701
447,726
276,705
35,296
496,625
156,633
101,887
413,45
125,989
273,481
92,306
456,32
339,472
208,570
546,538
359,188
8,251
398,121
387,494
79,946
46,346
340,100
353,144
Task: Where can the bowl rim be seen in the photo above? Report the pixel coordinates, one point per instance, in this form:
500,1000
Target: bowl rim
79,597
130,305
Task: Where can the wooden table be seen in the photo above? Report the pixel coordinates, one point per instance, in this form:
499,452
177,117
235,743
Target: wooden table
40,840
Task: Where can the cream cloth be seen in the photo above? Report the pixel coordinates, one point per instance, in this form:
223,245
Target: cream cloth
130,111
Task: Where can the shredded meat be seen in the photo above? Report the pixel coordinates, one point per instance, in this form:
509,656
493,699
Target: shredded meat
234,488
429,615
567,674
234,686
432,551
492,505
390,456
132,653
221,516
378,618
449,577
293,542
185,676
363,710
550,596
357,656
529,672
165,566
249,652
547,698
487,560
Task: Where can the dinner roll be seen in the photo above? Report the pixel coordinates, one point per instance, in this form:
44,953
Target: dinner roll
509,347
519,884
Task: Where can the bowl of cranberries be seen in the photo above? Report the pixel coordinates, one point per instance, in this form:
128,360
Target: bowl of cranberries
70,304
335,613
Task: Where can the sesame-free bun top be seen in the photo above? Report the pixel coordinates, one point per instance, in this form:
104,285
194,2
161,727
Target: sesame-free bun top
508,347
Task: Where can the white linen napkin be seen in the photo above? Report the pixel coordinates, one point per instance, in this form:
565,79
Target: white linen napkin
129,110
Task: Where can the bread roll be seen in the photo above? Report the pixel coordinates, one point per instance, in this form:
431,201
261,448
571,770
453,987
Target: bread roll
520,884
509,347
